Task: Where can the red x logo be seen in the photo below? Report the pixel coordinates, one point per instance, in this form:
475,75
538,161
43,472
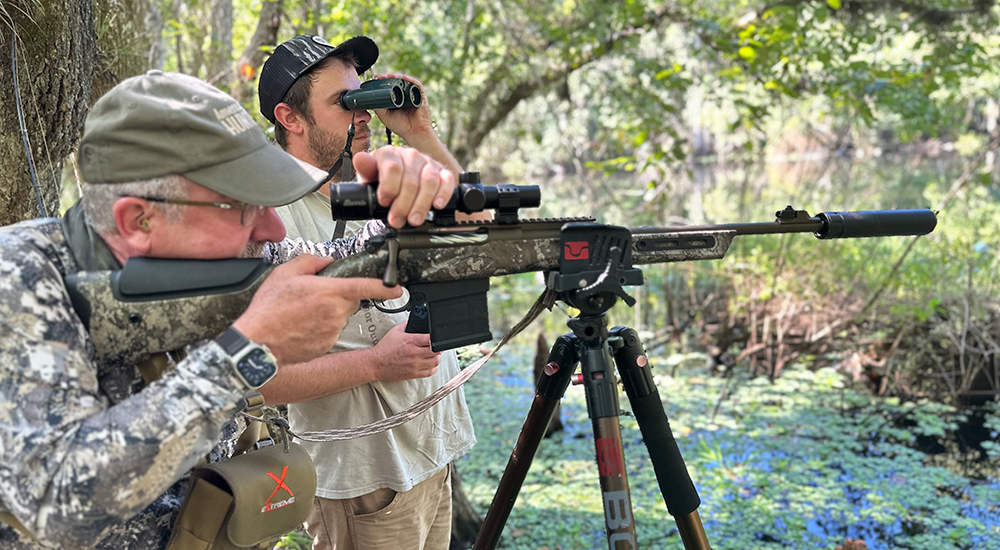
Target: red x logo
281,485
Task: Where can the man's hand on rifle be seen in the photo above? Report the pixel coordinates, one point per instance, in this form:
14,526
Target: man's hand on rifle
410,181
299,315
416,127
401,356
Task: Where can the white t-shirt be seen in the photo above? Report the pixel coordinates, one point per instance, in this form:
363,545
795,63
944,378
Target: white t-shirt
396,459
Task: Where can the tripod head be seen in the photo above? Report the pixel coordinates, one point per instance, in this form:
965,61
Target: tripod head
594,263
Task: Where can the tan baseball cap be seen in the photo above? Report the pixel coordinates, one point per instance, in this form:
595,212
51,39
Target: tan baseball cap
161,123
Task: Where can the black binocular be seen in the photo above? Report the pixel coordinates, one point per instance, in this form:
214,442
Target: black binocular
384,93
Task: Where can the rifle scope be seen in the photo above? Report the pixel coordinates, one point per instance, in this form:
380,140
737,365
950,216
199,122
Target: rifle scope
358,201
384,93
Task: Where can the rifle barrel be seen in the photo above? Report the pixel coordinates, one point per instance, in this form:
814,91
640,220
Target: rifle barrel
813,225
827,225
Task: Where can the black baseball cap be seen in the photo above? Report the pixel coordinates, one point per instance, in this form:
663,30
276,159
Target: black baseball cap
295,57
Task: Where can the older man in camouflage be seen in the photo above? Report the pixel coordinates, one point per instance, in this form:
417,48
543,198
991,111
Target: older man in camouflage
90,455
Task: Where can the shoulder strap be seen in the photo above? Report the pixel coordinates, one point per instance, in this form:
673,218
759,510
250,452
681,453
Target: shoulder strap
152,368
253,435
17,525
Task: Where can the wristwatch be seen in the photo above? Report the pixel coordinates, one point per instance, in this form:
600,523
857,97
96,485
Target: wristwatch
253,363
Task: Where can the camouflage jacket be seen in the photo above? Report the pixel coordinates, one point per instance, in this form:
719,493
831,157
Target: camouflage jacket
279,253
89,455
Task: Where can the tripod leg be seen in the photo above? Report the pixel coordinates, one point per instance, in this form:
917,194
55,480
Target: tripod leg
678,490
551,387
618,520
601,390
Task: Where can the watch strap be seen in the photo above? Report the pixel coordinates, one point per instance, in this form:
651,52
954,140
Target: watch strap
232,341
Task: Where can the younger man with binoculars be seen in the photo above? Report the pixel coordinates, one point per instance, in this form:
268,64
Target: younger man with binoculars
390,490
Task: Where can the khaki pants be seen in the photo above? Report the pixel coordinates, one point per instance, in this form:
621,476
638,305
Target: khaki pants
419,519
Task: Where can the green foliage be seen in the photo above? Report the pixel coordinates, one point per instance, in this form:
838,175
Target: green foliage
800,463
639,86
296,540
866,62
946,285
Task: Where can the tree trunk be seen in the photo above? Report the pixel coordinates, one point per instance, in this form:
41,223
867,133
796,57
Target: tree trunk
317,10
55,46
221,51
253,55
465,520
153,23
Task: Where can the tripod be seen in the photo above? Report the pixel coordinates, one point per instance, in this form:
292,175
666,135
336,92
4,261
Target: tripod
595,263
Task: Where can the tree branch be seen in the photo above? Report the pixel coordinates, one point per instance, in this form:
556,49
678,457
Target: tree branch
463,60
476,132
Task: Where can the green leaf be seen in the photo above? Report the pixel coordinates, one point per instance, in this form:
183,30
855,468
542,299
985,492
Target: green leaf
835,4
748,53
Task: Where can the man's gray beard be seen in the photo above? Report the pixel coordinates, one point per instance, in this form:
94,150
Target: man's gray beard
254,249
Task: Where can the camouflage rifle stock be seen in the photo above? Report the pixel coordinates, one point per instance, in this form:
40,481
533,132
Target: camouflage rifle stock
153,305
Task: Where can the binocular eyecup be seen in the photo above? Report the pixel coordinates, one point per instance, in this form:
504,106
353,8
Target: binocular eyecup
384,93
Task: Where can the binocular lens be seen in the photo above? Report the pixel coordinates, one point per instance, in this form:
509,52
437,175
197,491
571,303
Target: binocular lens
384,93
414,96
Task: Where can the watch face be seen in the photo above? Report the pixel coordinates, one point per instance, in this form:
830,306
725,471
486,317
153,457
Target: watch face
256,367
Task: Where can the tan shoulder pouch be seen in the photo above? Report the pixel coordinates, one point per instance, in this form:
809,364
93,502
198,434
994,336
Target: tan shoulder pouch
247,501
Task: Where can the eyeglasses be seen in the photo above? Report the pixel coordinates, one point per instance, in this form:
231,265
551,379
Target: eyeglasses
249,213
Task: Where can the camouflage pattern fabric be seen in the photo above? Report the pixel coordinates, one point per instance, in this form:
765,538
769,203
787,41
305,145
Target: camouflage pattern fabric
279,253
86,458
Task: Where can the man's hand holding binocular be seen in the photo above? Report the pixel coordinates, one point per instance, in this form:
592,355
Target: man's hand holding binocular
408,123
415,126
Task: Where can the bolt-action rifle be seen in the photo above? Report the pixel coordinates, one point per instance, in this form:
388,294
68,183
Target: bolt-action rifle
155,305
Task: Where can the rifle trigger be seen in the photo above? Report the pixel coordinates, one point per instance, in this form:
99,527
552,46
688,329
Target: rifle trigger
391,277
